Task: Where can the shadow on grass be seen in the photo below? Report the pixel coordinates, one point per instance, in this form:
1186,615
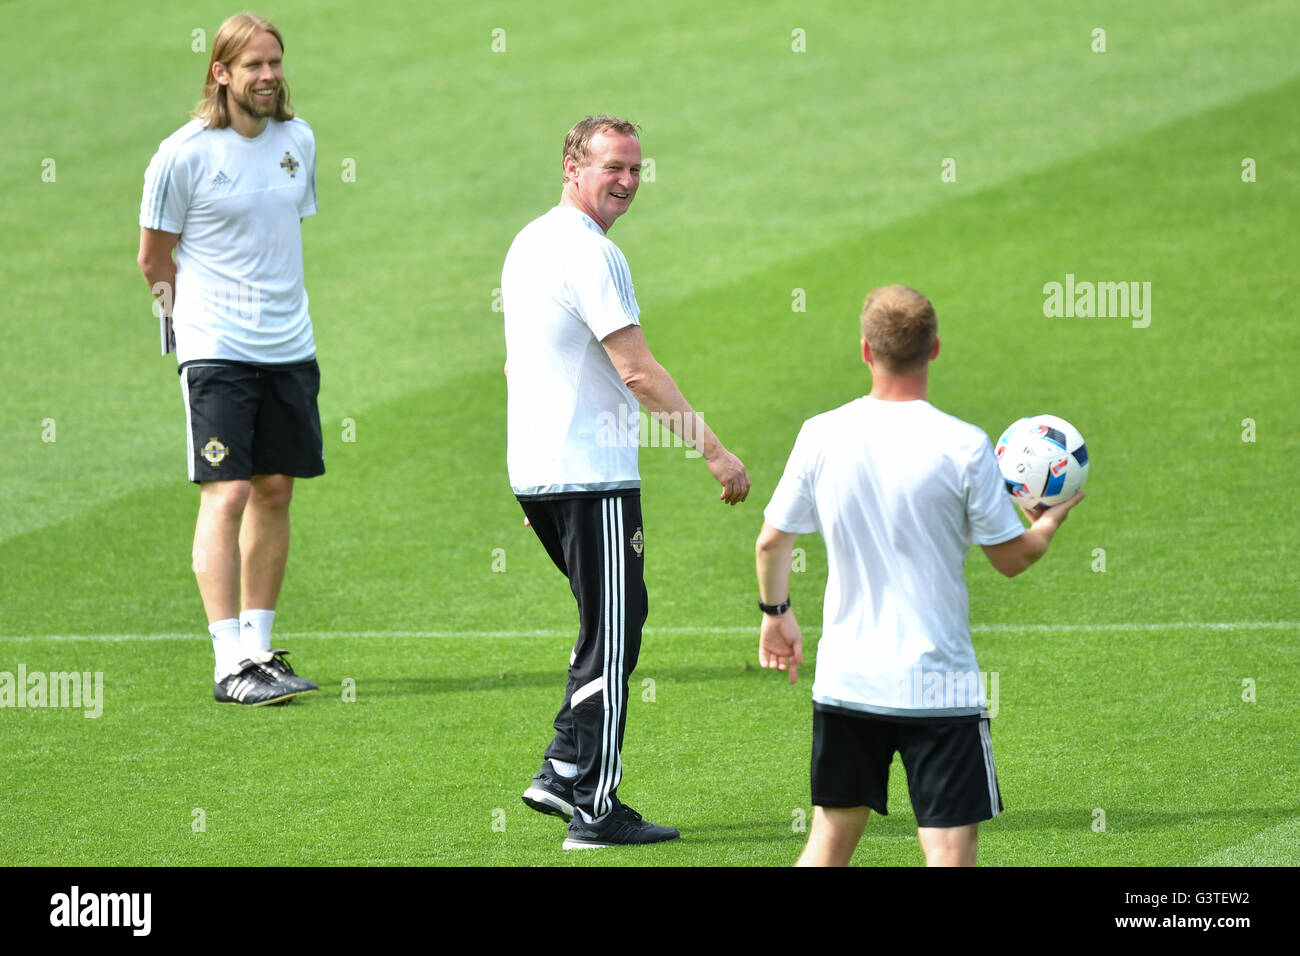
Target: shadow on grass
1120,819
757,831
379,685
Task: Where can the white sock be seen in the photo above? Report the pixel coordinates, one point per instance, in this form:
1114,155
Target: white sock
568,770
226,647
255,634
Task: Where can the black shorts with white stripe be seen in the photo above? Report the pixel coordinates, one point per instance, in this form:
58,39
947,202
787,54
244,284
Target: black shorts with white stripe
949,762
596,542
243,420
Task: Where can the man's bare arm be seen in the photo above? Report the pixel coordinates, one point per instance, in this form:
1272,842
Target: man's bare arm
652,386
774,554
1014,556
780,642
156,263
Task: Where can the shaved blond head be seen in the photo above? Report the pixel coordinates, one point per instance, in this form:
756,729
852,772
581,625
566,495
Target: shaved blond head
900,328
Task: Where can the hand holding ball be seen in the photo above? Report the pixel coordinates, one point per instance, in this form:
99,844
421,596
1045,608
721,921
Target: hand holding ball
1043,460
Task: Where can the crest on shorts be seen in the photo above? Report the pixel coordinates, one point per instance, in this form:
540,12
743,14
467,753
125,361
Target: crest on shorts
215,452
638,543
290,165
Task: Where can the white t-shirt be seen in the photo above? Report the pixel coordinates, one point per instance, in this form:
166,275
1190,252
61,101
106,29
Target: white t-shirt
572,425
236,203
898,491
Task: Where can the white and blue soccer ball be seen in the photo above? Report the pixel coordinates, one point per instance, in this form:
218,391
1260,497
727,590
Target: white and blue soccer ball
1043,460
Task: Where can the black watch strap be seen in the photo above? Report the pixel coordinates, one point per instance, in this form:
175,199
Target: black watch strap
774,609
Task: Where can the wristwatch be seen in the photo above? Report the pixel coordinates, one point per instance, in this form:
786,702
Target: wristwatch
774,609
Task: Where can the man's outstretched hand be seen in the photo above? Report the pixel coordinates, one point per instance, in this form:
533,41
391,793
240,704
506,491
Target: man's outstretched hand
729,471
780,644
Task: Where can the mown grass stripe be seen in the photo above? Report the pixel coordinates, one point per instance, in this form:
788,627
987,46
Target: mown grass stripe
551,632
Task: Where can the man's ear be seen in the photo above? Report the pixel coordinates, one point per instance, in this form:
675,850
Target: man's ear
220,73
866,353
934,352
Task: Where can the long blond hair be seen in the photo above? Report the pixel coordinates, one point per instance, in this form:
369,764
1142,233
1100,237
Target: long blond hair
214,108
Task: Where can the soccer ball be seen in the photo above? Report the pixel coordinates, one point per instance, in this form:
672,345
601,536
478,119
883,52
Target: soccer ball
1043,460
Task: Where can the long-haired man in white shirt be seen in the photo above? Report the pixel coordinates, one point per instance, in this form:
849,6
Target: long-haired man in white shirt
228,192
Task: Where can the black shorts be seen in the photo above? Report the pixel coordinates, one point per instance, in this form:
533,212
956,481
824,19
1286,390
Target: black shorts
243,420
949,764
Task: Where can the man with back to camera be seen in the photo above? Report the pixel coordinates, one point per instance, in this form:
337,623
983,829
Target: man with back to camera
578,369
228,192
898,491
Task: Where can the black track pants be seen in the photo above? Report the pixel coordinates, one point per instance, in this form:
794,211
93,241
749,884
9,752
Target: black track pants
597,543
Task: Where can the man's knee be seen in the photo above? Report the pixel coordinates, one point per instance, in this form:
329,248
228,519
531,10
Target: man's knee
834,835
224,499
949,846
272,491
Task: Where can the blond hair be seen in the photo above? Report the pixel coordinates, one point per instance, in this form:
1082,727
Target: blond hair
900,327
235,34
578,141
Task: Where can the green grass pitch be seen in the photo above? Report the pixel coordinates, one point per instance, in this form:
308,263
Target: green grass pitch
1147,678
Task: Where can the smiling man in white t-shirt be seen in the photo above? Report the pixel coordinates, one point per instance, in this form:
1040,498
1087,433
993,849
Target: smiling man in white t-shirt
228,192
898,490
578,371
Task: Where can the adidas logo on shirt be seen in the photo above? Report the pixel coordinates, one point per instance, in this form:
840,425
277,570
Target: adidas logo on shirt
220,179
